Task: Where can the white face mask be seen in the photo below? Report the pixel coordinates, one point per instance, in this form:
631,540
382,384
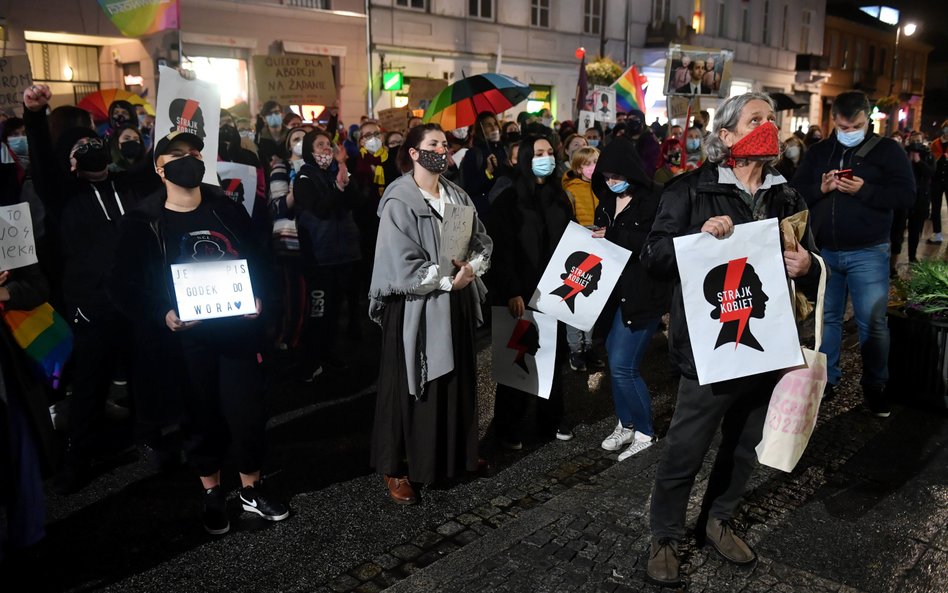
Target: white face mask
494,136
459,133
298,149
373,145
793,153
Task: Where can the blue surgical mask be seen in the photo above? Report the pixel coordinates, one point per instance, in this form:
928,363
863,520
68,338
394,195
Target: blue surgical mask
274,120
620,187
543,166
693,144
850,139
593,143
18,144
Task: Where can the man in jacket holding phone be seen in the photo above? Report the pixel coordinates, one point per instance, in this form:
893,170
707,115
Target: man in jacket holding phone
852,182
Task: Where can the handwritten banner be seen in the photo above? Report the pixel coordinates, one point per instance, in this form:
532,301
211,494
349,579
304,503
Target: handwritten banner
208,290
17,245
456,232
15,77
421,91
295,79
394,119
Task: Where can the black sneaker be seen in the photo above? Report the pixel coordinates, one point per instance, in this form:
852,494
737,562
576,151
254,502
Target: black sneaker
829,392
254,500
577,362
215,512
876,401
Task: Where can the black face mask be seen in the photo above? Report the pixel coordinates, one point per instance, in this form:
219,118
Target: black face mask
433,161
92,158
635,126
131,150
118,121
513,137
186,171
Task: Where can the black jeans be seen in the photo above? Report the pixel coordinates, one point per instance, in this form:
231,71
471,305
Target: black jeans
224,397
740,408
326,287
937,191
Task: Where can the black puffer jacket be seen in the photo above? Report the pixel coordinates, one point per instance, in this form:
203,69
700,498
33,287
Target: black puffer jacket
328,232
686,204
641,297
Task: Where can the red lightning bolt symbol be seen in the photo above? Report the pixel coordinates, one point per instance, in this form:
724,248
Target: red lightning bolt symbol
514,343
732,279
588,264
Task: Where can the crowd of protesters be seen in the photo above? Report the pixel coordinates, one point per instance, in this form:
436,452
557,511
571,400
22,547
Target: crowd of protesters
346,220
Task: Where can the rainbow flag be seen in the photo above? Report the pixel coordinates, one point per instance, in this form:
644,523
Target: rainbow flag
629,93
45,338
135,18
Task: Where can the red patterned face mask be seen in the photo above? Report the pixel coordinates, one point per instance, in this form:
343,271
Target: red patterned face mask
759,144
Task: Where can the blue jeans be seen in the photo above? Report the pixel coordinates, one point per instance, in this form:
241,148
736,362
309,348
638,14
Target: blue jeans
864,275
626,346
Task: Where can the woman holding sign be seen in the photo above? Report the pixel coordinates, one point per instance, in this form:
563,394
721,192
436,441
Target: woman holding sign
628,200
526,222
426,412
217,357
737,184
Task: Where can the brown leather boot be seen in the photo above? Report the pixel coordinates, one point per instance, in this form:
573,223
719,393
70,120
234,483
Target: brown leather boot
723,539
399,488
663,562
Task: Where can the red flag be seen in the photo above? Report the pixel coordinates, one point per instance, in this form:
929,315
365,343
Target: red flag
582,87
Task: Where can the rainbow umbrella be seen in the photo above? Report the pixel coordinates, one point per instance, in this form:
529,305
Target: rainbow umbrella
97,103
457,106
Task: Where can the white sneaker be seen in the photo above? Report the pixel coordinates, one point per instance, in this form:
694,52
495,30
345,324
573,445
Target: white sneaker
639,444
619,437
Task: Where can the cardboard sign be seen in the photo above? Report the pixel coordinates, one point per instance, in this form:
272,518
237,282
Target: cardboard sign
295,79
456,230
580,277
421,91
17,244
190,106
239,182
604,104
587,119
523,351
15,77
209,290
737,302
394,119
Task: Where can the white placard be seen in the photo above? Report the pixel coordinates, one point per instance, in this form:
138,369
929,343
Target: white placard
737,302
190,106
456,230
17,245
239,182
523,351
604,104
580,277
208,290
587,119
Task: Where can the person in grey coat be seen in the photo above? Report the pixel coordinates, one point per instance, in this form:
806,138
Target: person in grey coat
426,413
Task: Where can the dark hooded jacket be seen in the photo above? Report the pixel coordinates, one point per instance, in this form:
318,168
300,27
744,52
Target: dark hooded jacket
688,201
327,229
526,223
82,220
641,297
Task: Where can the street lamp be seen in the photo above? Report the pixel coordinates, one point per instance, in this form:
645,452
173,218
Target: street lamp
909,31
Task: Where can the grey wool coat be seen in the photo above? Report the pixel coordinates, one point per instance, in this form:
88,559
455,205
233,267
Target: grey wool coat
408,245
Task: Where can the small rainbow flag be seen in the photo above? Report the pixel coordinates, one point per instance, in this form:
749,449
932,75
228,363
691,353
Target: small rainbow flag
45,338
135,18
629,93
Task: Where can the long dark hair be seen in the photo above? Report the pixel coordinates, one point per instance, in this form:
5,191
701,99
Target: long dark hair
526,181
479,125
413,139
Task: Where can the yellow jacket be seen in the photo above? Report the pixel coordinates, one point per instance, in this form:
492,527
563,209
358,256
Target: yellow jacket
582,197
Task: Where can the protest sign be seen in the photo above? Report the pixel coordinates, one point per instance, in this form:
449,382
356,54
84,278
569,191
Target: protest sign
587,119
212,289
604,104
580,277
523,351
394,119
15,77
239,182
295,79
192,106
737,302
422,90
17,245
456,229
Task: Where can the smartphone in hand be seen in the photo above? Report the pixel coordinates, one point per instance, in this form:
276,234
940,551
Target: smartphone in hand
844,174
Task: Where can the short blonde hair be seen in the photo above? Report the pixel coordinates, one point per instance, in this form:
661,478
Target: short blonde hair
581,156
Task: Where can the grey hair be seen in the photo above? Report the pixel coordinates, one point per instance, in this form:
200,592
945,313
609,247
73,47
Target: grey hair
726,118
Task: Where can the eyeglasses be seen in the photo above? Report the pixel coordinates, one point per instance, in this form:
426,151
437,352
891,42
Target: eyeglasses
371,135
92,144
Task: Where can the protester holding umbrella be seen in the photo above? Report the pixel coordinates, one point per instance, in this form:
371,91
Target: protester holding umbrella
526,223
426,411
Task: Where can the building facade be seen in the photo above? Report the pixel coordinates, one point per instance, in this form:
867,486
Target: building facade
75,49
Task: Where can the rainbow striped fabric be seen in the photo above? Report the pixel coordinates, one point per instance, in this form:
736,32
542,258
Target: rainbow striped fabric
135,18
629,93
45,337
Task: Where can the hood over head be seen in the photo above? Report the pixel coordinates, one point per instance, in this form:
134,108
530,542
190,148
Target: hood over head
619,157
